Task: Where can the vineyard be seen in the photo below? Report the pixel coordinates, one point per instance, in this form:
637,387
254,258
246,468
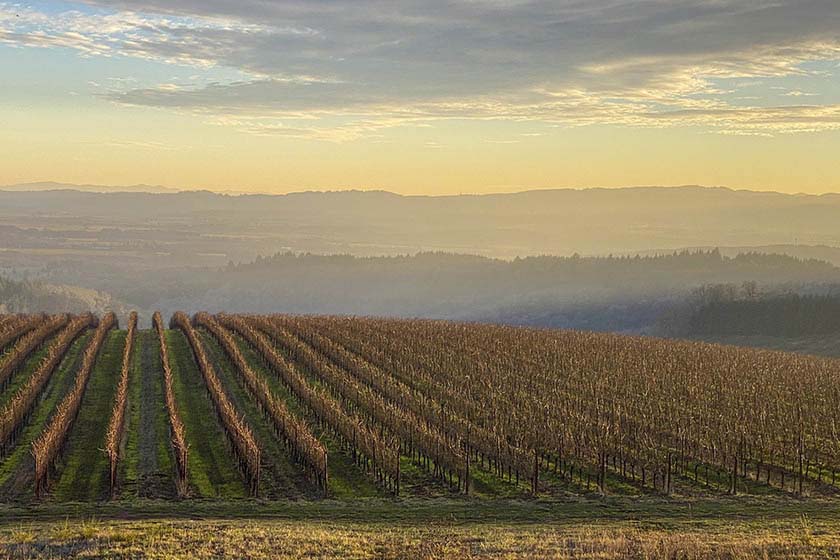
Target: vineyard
274,407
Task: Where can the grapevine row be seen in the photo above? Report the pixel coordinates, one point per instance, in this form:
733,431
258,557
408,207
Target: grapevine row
244,444
432,445
46,448
116,426
450,422
585,435
19,407
178,433
409,361
305,446
27,344
13,328
675,406
367,445
581,437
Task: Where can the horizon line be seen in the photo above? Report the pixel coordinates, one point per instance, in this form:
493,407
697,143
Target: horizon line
142,188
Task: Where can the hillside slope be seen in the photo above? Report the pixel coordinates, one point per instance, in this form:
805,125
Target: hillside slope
298,408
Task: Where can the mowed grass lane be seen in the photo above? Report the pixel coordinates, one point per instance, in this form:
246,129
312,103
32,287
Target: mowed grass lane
84,467
346,480
147,468
280,477
17,469
212,468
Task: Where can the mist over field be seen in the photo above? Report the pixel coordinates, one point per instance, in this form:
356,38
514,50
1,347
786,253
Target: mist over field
628,260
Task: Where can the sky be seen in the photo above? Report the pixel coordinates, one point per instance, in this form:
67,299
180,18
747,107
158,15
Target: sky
421,96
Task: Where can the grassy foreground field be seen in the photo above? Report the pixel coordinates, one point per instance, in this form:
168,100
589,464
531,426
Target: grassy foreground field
604,528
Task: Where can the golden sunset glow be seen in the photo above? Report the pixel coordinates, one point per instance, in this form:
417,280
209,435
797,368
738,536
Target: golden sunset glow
474,97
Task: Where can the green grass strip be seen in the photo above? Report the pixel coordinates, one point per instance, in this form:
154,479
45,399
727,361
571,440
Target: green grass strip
147,470
84,469
212,467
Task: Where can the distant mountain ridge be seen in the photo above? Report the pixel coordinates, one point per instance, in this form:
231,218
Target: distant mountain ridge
558,222
40,186
102,189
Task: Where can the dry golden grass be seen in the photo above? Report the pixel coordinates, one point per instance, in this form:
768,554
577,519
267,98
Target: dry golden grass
283,539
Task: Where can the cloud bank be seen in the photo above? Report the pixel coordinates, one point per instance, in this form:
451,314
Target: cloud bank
341,69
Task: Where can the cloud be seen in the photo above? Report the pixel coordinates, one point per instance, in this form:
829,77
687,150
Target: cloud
798,93
343,69
192,41
761,120
134,145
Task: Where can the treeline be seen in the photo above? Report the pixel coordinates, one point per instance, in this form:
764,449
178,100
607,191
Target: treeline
619,293
788,315
611,293
710,260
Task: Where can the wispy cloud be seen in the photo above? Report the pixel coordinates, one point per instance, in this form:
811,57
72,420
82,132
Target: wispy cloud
343,70
799,93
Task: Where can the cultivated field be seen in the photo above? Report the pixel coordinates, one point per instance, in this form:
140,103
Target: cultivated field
243,415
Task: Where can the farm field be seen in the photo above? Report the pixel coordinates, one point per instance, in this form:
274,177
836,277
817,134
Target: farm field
449,430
